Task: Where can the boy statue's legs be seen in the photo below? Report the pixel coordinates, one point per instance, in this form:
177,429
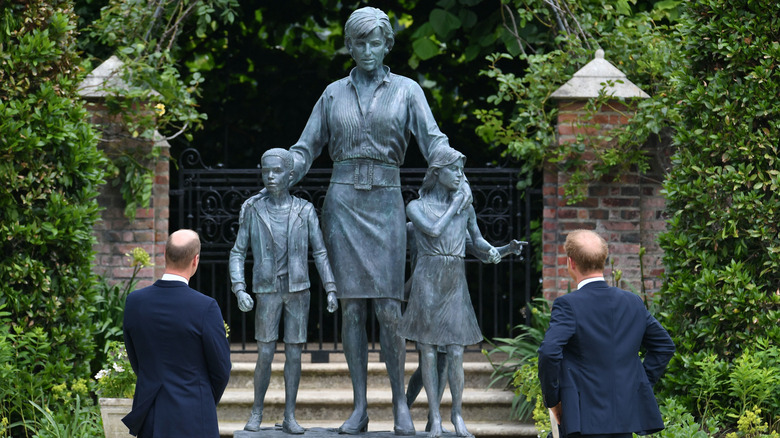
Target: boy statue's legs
262,378
292,378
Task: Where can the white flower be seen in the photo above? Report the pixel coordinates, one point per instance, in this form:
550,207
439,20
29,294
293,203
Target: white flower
118,368
100,374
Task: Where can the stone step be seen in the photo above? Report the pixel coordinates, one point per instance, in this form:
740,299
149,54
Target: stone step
336,404
330,375
325,398
480,429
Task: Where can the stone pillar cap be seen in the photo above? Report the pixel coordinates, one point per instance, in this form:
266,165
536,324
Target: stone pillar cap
106,75
590,79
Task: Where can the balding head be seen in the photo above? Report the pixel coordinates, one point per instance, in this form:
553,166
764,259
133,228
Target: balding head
181,249
587,250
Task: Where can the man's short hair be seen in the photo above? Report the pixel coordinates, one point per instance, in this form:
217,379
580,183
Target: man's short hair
587,249
181,256
284,154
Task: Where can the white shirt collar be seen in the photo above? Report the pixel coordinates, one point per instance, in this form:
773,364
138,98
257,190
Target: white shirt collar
588,281
174,277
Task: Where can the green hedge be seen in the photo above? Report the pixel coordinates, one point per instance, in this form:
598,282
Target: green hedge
722,245
50,171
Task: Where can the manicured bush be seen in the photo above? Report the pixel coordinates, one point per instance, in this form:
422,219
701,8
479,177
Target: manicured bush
50,171
722,245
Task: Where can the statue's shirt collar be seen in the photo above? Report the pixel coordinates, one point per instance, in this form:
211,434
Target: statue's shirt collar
351,79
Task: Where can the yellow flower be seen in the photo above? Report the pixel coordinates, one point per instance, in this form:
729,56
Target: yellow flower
159,109
139,256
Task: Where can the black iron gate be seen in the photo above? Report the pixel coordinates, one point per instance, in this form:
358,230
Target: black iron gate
208,200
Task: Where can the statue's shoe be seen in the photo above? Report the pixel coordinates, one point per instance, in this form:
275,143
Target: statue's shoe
349,429
253,425
292,427
403,421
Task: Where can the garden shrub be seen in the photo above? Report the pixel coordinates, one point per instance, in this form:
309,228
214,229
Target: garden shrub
722,244
50,171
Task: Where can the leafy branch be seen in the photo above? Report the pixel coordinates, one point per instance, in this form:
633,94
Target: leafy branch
640,47
152,97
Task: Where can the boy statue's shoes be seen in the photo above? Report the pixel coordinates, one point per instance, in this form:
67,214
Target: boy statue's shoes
253,425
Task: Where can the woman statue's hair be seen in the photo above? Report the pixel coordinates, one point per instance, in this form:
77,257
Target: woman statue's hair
363,21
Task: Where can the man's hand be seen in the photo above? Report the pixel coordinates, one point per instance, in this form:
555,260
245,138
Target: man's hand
245,302
557,412
333,302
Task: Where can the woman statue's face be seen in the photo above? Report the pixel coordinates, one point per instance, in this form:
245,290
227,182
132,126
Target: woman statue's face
369,51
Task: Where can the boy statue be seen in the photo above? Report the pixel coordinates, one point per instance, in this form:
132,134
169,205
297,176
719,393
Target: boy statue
279,228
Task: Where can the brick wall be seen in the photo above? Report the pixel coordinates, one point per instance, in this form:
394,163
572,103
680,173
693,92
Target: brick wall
117,235
627,213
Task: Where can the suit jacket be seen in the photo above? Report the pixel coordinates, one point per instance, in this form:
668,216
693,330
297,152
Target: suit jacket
589,361
255,231
176,343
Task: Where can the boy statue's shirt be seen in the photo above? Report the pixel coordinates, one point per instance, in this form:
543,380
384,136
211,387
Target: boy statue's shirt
280,219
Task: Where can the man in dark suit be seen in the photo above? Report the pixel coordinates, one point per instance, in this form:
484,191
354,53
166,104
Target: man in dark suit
592,376
176,343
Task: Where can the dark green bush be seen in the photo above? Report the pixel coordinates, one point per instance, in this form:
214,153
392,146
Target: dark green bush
50,171
722,244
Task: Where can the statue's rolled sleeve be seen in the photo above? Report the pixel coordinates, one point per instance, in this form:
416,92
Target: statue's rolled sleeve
238,255
319,252
422,123
312,140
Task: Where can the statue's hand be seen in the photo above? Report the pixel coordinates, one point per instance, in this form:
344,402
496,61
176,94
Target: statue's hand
245,302
493,255
333,302
516,246
465,190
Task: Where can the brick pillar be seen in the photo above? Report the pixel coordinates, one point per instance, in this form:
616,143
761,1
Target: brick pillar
628,213
117,235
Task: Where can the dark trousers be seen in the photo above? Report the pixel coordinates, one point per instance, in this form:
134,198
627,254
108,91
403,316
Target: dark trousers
563,434
606,435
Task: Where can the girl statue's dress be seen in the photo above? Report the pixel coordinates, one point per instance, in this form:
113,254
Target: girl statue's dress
439,311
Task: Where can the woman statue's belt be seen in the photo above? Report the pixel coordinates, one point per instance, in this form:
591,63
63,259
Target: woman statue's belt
364,174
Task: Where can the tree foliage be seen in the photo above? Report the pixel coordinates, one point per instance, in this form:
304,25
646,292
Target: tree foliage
51,171
266,71
153,95
487,68
641,43
722,245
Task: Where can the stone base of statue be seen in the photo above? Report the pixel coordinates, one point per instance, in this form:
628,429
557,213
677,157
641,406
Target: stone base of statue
320,432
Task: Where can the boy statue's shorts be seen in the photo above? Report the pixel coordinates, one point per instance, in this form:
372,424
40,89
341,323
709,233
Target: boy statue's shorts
268,313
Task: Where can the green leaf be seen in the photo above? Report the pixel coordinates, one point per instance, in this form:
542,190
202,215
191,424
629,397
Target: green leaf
425,49
443,22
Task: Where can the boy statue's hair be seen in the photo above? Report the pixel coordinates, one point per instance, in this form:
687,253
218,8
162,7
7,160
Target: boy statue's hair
284,154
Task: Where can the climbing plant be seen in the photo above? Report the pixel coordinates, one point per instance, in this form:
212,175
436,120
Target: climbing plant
50,171
152,101
721,297
642,44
